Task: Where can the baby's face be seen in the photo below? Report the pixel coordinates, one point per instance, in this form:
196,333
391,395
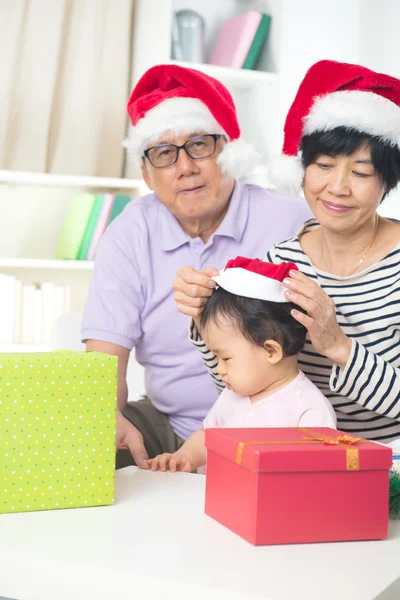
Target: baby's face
243,366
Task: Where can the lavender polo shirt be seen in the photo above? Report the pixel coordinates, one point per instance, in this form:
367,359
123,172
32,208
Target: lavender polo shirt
131,303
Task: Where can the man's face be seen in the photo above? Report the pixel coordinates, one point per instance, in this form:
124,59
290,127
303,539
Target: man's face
192,189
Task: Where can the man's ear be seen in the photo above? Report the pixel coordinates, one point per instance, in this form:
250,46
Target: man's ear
274,351
146,176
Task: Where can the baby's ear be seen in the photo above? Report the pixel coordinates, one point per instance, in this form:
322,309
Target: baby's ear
274,351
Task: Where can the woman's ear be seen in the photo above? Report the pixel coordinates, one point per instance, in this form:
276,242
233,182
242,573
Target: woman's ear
274,351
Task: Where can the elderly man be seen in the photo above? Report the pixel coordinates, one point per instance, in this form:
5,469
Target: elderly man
186,135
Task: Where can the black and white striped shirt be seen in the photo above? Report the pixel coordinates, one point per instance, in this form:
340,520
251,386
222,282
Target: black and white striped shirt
366,393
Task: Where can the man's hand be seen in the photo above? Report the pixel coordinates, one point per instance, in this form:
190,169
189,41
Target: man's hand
192,289
173,462
129,438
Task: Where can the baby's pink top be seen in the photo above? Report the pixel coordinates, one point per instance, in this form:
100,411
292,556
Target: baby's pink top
298,404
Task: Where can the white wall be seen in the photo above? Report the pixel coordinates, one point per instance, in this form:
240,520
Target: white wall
380,38
312,31
380,50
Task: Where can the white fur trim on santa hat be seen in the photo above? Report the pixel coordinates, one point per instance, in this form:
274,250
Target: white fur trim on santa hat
286,173
250,285
364,111
176,116
238,158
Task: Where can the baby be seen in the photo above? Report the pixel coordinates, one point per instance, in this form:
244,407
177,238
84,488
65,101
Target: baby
248,326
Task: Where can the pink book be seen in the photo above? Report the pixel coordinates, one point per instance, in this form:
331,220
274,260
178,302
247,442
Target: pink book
235,40
101,225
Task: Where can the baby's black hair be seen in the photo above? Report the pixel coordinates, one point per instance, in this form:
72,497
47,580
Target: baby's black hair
258,320
343,141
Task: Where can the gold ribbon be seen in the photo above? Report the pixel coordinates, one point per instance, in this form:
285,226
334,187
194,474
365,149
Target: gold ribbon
343,441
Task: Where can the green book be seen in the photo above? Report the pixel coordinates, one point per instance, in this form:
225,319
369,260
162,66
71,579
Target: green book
90,227
258,42
75,223
120,201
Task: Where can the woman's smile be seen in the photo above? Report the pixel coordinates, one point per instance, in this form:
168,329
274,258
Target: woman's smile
336,208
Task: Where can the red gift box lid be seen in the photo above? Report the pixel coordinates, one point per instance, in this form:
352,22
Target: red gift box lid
295,449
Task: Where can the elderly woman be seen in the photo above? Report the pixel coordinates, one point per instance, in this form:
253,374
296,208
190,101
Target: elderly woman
342,141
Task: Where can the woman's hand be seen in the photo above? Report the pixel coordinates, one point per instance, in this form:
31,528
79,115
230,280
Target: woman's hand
173,462
192,289
326,335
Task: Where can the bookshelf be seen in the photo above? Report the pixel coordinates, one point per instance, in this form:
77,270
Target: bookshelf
70,181
38,264
25,348
232,77
33,208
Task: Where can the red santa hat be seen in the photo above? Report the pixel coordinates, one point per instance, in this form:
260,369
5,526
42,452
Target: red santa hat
254,278
334,94
170,98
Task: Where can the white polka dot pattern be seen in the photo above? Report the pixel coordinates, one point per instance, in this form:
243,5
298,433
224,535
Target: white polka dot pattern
57,430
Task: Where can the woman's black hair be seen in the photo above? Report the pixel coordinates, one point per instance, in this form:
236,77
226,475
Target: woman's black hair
343,141
258,320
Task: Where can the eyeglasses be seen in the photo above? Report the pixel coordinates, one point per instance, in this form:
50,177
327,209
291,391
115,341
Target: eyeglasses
166,155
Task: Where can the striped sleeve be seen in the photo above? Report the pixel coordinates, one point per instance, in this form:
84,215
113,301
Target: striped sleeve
370,381
270,256
210,360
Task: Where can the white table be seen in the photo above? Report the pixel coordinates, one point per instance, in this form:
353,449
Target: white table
157,543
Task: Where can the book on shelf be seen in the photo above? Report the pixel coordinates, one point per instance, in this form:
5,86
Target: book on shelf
240,40
101,225
7,293
120,202
90,227
28,315
16,310
29,311
47,312
86,221
61,302
75,223
38,316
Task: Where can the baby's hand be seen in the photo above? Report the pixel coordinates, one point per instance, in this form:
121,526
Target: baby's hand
173,462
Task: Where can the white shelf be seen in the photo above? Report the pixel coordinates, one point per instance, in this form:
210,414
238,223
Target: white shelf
25,348
46,264
78,181
241,78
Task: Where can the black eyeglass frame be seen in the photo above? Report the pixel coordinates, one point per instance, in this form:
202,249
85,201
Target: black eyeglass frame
215,136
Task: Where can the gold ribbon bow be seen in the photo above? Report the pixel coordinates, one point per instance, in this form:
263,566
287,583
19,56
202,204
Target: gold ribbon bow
344,441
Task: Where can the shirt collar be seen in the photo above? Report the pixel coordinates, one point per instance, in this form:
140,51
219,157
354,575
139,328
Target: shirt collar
172,234
235,220
233,224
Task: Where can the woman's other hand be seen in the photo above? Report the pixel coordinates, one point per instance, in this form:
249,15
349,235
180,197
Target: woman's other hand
326,335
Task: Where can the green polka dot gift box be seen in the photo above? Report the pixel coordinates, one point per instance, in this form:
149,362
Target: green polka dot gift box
57,430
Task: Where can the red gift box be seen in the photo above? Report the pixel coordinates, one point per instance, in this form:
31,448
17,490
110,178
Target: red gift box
294,485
